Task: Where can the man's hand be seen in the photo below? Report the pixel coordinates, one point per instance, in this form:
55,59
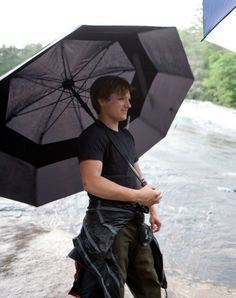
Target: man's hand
148,196
154,219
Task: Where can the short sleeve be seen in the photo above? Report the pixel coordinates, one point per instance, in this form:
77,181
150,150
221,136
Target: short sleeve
92,144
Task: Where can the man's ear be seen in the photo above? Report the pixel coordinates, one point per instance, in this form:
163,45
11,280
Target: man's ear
101,101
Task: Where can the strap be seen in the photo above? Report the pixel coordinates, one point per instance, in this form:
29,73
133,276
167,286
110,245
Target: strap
118,148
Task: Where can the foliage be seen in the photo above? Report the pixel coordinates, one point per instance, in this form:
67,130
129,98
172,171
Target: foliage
213,67
11,56
220,84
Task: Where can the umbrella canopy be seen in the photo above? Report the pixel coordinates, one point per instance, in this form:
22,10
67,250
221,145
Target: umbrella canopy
219,18
44,103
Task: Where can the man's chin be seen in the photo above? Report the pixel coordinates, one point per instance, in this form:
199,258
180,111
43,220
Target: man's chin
123,118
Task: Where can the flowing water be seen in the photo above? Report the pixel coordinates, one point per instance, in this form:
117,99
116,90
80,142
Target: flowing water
194,166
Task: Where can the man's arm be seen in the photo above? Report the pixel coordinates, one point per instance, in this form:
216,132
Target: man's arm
154,217
102,187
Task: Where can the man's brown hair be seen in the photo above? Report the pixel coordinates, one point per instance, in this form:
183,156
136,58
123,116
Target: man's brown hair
104,86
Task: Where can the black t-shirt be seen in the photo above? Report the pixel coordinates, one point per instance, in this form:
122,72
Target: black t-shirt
95,144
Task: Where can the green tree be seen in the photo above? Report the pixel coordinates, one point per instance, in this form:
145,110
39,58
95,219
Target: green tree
30,50
213,67
220,84
10,57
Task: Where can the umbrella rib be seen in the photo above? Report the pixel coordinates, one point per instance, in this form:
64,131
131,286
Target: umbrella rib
38,83
106,49
50,116
31,103
64,62
45,106
58,81
57,118
50,70
92,58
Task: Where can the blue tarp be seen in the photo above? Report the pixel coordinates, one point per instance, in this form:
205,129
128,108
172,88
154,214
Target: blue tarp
214,11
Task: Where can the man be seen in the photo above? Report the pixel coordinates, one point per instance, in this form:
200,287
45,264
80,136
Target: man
113,246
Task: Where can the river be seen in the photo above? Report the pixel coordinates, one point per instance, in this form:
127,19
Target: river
194,166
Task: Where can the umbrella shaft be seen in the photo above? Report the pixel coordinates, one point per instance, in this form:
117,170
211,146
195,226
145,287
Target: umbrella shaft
82,103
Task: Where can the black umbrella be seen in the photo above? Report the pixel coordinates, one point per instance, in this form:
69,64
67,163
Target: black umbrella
44,103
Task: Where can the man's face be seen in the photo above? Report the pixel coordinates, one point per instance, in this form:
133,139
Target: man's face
116,108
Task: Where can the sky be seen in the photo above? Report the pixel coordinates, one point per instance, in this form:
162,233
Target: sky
32,21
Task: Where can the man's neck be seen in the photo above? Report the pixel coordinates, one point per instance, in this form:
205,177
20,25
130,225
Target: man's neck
114,125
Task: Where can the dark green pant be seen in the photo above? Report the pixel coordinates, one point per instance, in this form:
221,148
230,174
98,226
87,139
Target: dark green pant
135,264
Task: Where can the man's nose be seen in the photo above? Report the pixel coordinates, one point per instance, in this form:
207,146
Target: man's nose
128,104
